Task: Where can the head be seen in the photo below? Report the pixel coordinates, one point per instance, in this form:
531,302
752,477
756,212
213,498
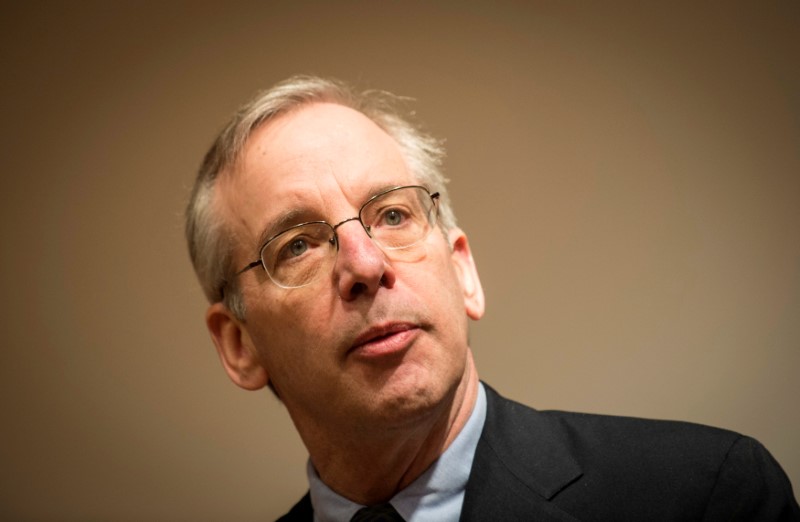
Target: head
378,334
209,238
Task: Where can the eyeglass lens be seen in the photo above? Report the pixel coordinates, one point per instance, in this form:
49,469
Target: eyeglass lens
397,219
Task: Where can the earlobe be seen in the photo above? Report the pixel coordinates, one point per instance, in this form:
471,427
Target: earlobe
236,351
467,274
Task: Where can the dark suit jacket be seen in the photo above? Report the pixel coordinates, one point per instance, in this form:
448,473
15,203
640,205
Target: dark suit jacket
548,466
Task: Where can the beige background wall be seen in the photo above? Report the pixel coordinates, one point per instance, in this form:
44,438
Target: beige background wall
629,177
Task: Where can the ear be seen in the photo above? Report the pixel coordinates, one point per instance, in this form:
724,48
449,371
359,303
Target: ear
235,348
467,273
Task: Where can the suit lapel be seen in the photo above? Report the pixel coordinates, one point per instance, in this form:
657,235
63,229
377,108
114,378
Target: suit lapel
520,464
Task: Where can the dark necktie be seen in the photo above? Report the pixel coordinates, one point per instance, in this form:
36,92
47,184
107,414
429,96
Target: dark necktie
379,513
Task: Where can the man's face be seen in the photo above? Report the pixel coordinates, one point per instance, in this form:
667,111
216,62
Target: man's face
376,338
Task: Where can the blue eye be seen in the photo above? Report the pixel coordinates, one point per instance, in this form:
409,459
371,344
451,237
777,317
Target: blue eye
298,247
393,217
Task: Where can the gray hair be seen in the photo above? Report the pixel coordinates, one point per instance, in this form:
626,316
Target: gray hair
211,244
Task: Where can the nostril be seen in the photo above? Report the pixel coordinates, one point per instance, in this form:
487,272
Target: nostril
358,289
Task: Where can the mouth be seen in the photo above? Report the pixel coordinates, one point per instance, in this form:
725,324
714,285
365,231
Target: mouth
384,340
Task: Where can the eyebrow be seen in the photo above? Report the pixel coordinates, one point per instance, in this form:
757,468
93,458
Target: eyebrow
299,215
286,220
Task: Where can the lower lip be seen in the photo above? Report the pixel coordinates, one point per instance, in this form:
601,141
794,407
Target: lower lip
392,344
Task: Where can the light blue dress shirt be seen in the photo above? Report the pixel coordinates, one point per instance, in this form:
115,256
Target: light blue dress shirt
436,496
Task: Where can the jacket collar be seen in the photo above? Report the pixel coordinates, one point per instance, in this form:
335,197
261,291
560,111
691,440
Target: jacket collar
520,464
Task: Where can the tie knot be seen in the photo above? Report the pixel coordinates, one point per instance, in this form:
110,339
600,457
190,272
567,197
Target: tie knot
380,513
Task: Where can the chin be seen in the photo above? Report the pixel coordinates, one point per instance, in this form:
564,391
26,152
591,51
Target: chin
412,400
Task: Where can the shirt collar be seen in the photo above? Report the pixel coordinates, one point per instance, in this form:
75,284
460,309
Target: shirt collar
437,494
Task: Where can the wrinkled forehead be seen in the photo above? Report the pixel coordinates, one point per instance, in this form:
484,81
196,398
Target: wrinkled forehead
311,141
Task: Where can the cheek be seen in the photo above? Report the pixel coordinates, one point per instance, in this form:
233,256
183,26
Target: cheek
286,325
281,350
443,287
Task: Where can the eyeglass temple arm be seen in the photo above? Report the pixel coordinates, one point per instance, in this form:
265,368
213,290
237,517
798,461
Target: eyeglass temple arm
249,267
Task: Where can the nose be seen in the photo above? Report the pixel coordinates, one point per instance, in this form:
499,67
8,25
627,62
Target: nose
361,266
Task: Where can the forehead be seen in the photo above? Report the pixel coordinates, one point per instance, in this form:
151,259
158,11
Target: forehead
321,157
318,142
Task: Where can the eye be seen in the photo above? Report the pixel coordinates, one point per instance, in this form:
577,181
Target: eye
298,247
393,217
294,248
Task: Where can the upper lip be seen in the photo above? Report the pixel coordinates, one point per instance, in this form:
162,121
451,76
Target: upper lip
381,330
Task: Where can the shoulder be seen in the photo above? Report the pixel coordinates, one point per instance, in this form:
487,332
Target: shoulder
610,437
678,468
642,438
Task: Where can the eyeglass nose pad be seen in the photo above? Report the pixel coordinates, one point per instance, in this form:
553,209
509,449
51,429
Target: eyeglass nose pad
334,240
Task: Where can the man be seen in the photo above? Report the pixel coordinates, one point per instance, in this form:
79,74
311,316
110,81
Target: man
322,234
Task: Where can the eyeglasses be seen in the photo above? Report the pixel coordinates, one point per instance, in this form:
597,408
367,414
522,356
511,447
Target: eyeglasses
395,219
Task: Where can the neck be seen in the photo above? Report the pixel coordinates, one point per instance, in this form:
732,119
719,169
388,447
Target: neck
371,467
